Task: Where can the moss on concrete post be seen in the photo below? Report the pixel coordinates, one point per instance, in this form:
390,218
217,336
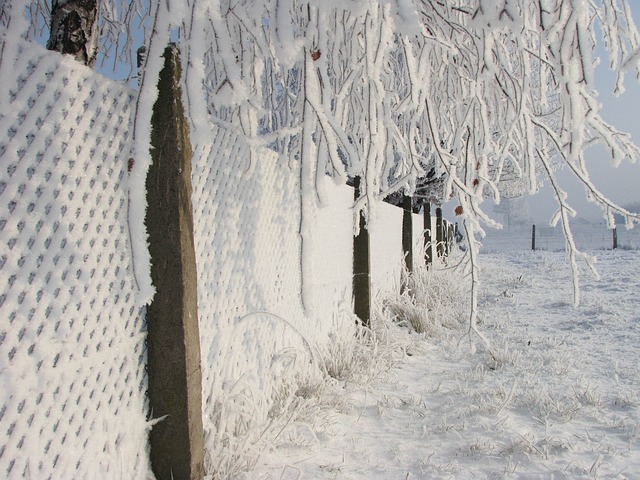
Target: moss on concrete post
175,390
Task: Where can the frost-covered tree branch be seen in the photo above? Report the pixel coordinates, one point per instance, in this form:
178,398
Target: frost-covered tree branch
492,97
487,97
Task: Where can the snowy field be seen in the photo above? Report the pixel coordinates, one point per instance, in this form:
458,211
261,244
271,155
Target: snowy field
587,236
556,397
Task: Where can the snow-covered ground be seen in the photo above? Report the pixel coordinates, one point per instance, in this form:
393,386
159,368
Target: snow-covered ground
557,396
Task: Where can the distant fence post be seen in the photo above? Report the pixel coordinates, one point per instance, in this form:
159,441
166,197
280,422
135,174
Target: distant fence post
175,380
407,236
428,244
439,233
361,266
533,238
615,237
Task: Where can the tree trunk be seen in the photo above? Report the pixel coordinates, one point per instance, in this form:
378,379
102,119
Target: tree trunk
74,29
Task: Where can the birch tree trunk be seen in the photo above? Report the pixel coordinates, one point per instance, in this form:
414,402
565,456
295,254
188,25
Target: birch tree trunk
74,29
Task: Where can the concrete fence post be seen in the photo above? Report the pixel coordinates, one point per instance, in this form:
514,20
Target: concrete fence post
533,238
439,233
407,235
175,380
445,237
428,243
361,265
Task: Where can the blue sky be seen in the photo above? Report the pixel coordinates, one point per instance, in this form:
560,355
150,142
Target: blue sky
622,184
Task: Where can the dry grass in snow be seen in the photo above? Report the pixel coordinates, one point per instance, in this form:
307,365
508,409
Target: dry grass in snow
556,397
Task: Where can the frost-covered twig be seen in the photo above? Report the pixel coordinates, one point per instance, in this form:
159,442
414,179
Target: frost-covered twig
473,267
562,214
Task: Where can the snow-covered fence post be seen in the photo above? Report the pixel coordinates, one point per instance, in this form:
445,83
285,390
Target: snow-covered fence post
533,238
615,237
74,29
407,237
439,233
448,238
361,265
444,237
428,243
175,390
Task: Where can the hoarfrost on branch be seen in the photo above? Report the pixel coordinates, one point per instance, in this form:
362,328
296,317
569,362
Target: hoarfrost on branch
487,97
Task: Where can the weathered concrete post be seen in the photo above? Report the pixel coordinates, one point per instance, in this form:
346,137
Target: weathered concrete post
361,266
439,233
175,390
428,243
407,238
615,237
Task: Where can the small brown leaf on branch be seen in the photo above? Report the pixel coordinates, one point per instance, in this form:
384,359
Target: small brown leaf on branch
130,165
315,55
458,210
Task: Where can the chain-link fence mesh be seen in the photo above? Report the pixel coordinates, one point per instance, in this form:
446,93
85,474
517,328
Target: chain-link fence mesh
72,403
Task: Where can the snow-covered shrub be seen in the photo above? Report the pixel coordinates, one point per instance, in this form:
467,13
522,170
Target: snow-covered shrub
354,353
241,432
300,404
503,355
433,303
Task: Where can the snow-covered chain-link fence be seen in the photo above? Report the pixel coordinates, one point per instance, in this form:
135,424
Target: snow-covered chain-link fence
72,355
248,252
72,333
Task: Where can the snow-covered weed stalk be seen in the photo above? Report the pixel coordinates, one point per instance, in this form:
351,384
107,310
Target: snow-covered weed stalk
300,402
350,354
296,412
503,355
239,435
358,354
433,303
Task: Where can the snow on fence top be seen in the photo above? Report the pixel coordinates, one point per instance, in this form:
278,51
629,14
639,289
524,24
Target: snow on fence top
72,403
